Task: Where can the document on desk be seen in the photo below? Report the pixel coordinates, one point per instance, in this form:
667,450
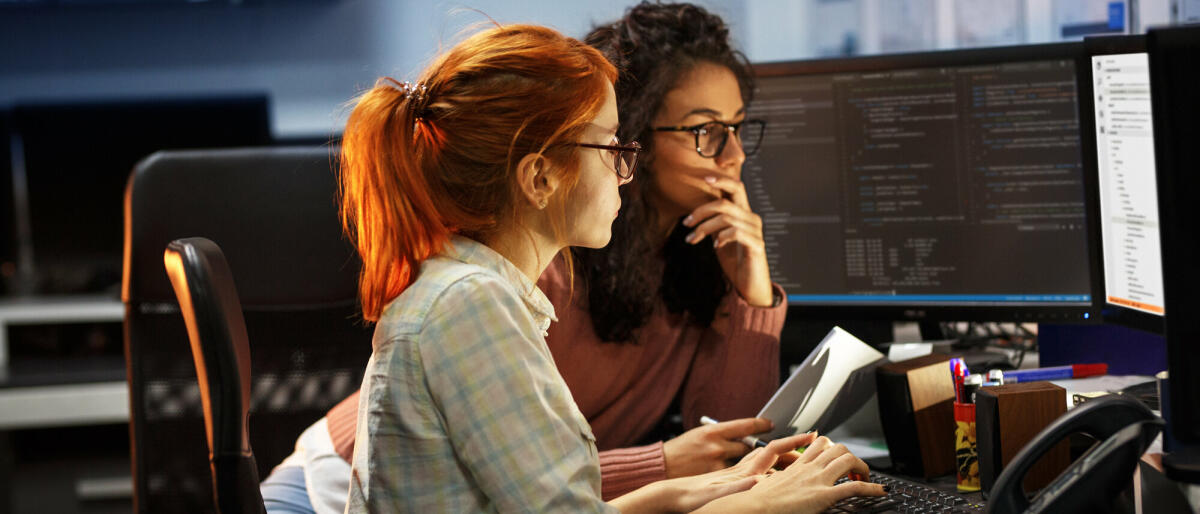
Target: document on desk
836,379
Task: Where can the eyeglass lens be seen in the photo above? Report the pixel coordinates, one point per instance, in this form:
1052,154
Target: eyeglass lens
624,164
711,138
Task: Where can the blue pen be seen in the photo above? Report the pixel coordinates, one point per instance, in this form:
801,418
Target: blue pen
1055,372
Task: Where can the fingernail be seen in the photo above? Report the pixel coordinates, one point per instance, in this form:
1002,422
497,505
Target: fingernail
690,237
710,180
688,220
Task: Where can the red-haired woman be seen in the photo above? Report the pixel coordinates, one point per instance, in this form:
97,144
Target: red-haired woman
655,318
458,191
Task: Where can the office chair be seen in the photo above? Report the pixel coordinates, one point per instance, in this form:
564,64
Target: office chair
274,211
221,352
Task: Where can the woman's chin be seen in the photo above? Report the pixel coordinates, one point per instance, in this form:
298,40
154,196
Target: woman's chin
599,241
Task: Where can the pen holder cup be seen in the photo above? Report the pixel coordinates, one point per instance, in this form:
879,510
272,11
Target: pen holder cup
966,455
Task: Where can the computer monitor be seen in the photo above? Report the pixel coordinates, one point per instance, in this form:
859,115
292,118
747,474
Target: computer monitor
72,160
934,186
1174,82
1120,147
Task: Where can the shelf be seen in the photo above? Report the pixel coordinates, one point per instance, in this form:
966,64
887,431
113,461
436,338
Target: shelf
34,310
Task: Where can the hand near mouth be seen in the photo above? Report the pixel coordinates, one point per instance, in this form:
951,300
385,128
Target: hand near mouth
736,232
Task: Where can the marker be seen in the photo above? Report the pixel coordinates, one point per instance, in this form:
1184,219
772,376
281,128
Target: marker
1056,372
971,385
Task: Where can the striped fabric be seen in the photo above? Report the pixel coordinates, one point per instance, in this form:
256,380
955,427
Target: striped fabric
463,409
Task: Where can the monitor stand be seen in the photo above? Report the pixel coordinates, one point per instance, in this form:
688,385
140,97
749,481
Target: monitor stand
1183,464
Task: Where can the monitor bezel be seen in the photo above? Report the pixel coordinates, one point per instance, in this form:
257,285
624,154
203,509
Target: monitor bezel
1088,313
1093,46
1173,105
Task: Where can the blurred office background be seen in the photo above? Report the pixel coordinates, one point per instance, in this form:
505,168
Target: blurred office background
311,56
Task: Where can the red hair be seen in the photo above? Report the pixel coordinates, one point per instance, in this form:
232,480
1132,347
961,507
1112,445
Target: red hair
418,168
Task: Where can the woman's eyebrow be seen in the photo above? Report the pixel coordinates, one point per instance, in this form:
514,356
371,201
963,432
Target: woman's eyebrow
705,111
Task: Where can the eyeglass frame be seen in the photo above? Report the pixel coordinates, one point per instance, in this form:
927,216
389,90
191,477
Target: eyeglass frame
632,146
736,128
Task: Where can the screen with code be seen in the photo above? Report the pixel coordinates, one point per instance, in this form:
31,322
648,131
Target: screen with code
924,185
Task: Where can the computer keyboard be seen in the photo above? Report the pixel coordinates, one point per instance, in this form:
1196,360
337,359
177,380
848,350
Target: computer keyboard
906,497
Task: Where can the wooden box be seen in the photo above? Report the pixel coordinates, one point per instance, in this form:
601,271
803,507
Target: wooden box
1007,417
916,406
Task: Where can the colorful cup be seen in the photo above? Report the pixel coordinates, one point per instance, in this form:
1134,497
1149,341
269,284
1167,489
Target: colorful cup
965,449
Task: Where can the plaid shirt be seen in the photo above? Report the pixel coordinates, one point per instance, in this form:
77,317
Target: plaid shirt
463,409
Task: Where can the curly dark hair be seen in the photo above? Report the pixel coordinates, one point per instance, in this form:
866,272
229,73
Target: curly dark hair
654,45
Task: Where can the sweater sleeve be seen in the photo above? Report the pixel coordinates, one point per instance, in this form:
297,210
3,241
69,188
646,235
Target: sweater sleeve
736,367
341,420
625,469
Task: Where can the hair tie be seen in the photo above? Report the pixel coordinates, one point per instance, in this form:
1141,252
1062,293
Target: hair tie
416,96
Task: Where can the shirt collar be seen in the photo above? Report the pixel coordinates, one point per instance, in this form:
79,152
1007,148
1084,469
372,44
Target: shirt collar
473,252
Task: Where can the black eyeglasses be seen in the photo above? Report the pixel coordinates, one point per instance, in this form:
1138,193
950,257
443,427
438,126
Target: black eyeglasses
624,158
711,136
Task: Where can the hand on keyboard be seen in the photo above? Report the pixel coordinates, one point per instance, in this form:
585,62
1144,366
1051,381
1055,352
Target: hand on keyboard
810,483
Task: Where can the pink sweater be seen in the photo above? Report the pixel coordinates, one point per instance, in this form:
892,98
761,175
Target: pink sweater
725,371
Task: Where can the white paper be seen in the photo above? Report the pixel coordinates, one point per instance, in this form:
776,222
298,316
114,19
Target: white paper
903,351
808,392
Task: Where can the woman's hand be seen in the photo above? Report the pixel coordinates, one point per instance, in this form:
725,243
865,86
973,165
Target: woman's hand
710,447
807,485
738,237
690,493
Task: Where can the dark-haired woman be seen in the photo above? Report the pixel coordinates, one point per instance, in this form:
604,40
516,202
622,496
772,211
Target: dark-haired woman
679,307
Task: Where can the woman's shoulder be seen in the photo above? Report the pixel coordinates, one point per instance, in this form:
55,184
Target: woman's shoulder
441,283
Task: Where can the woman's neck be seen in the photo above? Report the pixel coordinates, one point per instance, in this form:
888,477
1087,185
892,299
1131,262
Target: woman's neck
525,249
667,216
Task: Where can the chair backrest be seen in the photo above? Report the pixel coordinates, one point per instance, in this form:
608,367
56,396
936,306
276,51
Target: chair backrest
216,330
274,213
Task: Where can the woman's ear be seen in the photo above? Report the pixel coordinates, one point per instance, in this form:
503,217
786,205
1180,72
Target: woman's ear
538,179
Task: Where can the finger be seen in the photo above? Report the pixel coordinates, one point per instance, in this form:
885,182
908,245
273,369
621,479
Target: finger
792,442
715,225
788,445
740,237
829,454
757,461
815,448
844,464
722,206
856,488
739,428
730,188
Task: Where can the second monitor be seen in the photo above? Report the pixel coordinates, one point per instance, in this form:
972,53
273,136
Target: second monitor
943,185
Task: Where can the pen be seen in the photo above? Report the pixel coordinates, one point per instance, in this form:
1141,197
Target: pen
1055,372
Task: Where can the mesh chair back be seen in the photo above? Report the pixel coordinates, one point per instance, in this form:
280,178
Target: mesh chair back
273,212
